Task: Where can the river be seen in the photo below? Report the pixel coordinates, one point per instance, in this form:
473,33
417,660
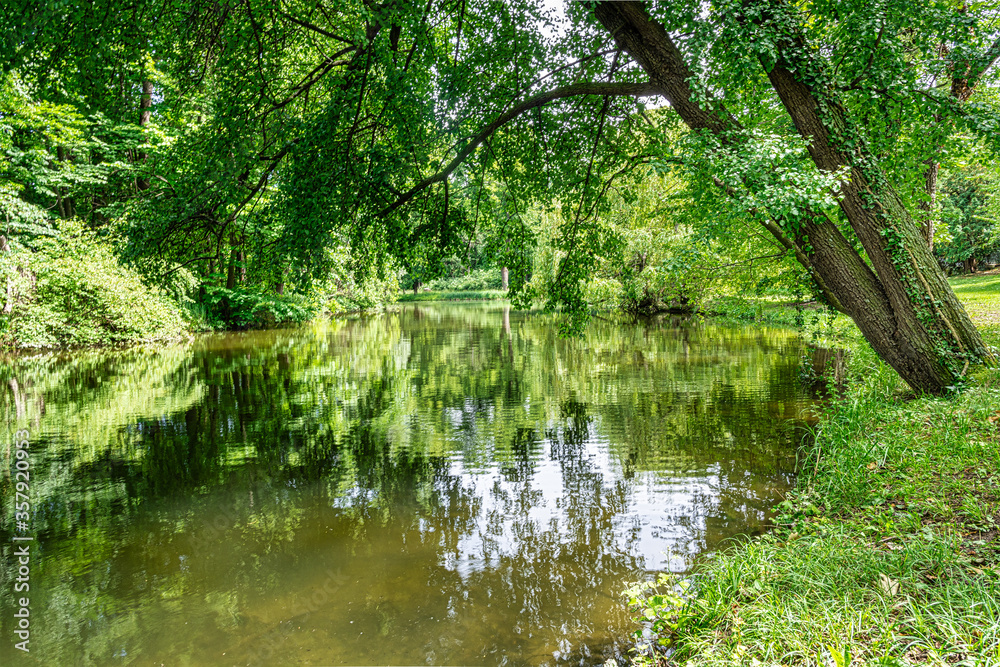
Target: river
443,484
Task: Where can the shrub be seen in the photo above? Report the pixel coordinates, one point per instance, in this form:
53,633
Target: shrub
245,309
480,279
372,294
72,290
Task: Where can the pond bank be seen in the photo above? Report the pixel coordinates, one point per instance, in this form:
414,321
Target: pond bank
888,550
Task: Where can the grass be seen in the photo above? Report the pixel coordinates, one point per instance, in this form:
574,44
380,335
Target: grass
481,295
887,552
980,293
739,309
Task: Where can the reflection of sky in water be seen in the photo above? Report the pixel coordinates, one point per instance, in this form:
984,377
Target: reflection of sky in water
658,526
663,524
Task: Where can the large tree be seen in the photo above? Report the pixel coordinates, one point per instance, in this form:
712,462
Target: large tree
899,298
865,252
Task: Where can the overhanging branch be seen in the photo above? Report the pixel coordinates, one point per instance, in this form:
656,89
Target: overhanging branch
572,90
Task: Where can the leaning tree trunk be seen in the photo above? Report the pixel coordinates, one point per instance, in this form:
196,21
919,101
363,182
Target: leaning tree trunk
902,303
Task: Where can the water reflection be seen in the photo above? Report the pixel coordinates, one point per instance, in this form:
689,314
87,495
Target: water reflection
441,485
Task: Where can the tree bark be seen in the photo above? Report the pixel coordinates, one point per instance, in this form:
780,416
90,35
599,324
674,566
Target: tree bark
145,104
234,258
64,204
241,263
902,304
504,278
8,304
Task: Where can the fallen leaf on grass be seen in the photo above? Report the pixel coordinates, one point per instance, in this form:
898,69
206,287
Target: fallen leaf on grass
889,586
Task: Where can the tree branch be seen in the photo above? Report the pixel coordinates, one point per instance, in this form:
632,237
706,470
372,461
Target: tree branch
315,28
871,58
571,90
986,62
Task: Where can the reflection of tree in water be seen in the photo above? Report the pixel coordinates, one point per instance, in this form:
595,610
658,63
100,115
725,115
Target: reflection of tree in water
548,567
203,478
525,447
731,439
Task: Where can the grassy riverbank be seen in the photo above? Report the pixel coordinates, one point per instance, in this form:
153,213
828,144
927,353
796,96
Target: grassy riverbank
464,295
773,311
887,553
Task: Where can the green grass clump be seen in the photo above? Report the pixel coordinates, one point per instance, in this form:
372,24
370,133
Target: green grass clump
481,295
887,552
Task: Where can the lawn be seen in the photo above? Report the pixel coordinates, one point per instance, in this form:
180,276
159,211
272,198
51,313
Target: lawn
981,295
481,295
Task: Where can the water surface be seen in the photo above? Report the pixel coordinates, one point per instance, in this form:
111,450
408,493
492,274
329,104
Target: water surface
447,484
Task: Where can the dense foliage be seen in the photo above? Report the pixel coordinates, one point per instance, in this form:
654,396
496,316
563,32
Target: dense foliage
72,290
972,235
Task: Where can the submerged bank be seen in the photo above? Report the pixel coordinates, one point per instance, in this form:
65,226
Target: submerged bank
888,550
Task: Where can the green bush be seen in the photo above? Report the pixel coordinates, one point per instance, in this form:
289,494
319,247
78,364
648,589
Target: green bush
480,279
245,309
72,290
373,293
